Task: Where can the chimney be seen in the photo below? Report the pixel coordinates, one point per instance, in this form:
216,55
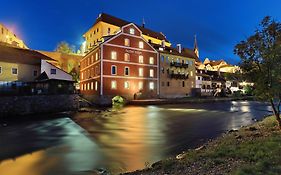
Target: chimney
163,43
179,48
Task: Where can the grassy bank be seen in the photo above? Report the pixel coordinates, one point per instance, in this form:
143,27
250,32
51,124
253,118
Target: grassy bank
252,150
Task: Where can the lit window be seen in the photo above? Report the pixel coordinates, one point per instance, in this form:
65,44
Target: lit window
132,31
140,85
92,85
126,85
113,70
151,85
82,76
35,73
191,73
140,59
141,44
114,55
97,56
151,73
126,71
88,86
53,71
151,60
127,42
92,59
127,57
113,84
14,71
141,72
96,85
191,62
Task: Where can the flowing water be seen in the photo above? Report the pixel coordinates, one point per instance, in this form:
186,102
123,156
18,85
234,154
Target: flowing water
117,140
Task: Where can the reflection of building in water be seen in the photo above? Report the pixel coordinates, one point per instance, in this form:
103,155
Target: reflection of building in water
8,37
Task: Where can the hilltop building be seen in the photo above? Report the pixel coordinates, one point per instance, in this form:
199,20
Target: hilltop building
9,38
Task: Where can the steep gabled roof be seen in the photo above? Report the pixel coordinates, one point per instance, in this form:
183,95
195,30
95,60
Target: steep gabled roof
103,17
23,56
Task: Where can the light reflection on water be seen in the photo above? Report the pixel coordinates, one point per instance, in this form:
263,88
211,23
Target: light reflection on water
119,140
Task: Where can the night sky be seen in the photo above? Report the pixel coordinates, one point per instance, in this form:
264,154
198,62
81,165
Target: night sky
218,24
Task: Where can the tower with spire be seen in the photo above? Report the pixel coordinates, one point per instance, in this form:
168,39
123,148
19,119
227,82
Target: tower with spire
196,49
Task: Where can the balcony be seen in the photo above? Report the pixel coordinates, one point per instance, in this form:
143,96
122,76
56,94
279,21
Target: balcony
175,64
178,76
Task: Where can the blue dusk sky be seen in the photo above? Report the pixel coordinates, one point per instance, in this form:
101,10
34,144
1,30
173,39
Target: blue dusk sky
218,24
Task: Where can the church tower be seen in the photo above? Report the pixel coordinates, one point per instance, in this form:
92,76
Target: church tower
196,49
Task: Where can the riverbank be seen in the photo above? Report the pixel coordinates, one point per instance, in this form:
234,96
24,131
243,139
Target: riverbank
187,100
254,149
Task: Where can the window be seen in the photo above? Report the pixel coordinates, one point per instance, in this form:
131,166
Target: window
82,87
141,44
108,31
113,84
82,75
92,59
88,86
140,59
191,62
97,70
92,85
183,84
167,59
127,57
35,73
97,30
178,60
141,72
97,56
113,70
126,85
198,78
14,71
126,71
127,42
191,73
151,85
151,73
96,85
151,60
140,85
162,58
114,55
132,31
0,70
168,83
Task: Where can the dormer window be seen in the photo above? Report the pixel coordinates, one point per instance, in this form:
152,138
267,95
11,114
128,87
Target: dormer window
132,31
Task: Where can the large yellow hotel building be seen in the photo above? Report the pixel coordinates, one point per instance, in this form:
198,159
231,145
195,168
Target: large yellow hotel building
106,25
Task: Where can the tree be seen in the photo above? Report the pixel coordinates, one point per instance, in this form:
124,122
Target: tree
64,47
261,62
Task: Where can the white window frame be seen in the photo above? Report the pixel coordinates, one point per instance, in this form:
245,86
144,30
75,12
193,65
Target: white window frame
151,60
128,83
140,59
115,82
140,85
141,44
141,72
151,73
132,31
151,84
126,67
128,40
96,85
113,55
125,57
115,70
16,69
92,85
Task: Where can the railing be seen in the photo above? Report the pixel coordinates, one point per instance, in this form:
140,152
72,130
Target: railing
178,76
175,64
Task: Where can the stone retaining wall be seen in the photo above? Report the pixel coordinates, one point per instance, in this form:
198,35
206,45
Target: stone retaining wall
25,105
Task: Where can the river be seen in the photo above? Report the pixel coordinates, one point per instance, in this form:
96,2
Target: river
117,140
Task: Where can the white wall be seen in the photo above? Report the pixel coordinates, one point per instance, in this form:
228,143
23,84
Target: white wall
60,74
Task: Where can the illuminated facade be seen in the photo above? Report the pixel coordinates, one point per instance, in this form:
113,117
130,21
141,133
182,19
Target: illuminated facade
107,25
123,64
176,71
8,37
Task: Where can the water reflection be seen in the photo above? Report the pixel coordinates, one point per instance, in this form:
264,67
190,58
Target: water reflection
118,139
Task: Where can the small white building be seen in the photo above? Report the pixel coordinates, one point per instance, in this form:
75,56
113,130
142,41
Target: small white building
54,72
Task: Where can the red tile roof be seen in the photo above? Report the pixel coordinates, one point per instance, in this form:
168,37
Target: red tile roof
23,56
